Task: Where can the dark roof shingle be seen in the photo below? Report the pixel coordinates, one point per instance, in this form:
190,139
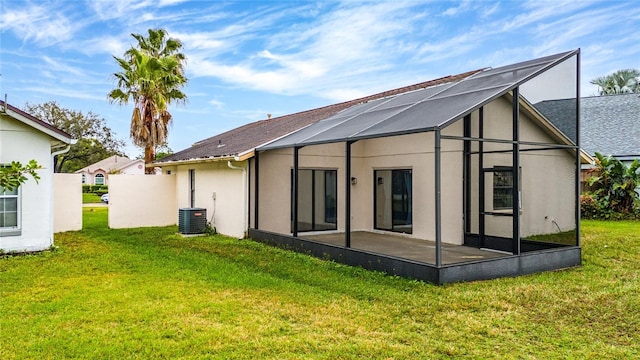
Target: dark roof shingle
609,124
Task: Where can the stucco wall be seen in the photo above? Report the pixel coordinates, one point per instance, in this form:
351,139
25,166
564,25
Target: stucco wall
142,200
414,152
67,200
547,177
228,212
19,142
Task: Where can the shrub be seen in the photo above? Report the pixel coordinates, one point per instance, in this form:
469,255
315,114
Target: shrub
614,193
95,189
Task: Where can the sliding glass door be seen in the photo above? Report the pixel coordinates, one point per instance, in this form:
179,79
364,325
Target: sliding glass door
317,199
393,200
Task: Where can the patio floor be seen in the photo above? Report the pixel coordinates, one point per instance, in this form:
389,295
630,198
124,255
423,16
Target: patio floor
399,246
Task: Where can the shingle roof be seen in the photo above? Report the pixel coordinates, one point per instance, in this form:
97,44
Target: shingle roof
609,124
250,136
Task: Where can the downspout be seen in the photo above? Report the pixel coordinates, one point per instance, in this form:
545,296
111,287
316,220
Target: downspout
244,196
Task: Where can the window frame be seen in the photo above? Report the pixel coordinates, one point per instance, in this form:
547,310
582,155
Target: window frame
96,176
17,229
506,208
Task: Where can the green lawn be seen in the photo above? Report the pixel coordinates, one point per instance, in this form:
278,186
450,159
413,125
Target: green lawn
90,198
148,293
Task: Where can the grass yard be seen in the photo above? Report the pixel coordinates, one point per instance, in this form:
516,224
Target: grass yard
90,198
148,293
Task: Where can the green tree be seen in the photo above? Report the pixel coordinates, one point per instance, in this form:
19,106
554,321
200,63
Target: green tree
151,76
162,152
620,82
14,175
95,139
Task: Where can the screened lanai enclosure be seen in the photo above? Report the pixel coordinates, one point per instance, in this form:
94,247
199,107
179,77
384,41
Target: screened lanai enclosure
461,181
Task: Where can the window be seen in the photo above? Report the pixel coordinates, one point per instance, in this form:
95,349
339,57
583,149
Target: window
192,188
317,200
393,200
503,189
99,179
9,212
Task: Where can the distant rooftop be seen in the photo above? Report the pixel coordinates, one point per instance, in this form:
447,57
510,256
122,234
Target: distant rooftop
609,124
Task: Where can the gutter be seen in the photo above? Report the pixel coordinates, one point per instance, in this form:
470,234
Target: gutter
193,161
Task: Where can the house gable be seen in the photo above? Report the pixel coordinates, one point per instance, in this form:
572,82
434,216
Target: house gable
28,224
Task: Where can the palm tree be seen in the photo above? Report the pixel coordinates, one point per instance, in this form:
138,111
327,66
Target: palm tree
620,82
151,76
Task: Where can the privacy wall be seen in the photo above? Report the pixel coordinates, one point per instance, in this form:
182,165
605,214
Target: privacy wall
142,201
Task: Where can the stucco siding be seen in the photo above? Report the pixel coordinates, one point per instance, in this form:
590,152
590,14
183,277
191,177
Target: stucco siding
413,152
142,201
19,142
547,177
228,212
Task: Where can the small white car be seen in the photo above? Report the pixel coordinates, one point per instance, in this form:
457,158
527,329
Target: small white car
105,198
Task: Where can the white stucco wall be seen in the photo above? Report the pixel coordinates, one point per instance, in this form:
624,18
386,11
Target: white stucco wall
228,212
142,201
547,178
19,142
67,200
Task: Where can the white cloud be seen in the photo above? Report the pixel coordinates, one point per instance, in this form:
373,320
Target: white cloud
311,58
54,92
163,3
61,68
216,103
464,6
115,9
200,41
105,45
38,23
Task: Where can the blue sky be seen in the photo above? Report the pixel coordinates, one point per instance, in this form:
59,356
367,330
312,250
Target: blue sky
250,58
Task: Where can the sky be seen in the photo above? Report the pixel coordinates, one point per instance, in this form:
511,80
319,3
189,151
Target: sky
247,59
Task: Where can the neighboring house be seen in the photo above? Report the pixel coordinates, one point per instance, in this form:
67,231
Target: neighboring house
609,125
447,183
26,213
215,173
98,173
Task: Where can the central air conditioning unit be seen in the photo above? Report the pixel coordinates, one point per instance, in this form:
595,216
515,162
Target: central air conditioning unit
192,220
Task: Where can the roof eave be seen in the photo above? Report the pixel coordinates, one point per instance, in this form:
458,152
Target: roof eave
193,161
58,135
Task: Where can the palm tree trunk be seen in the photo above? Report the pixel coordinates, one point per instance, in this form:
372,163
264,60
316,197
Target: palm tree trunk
149,155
